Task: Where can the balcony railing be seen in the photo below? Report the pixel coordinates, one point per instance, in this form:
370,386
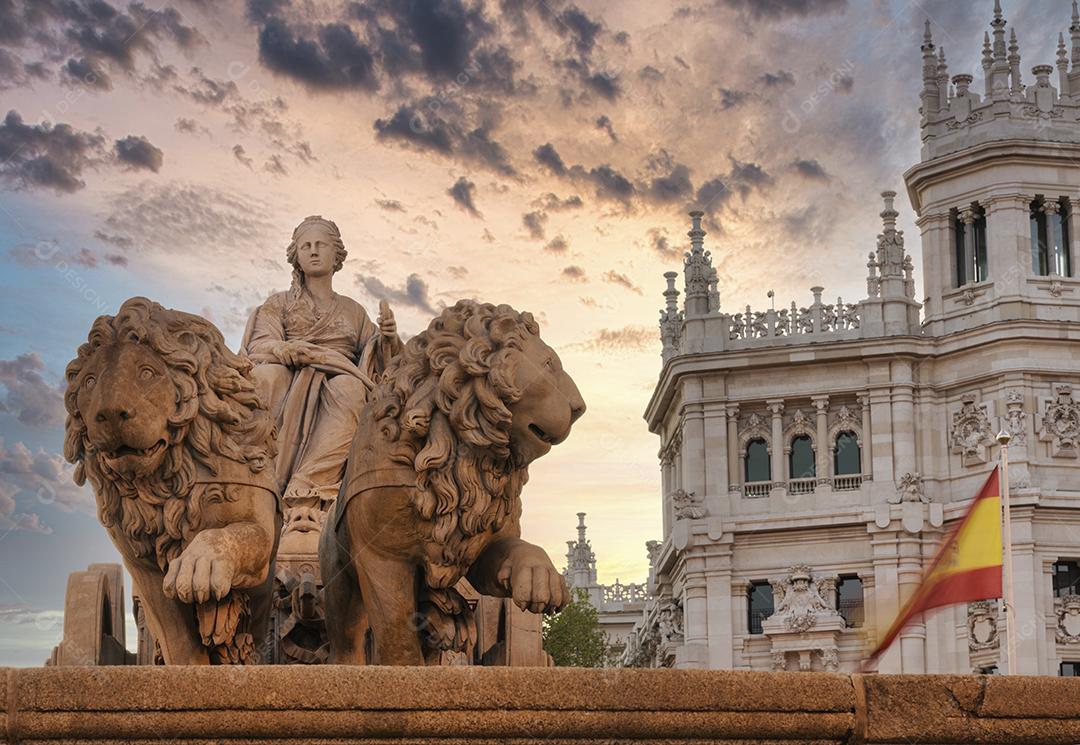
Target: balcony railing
801,486
757,489
847,483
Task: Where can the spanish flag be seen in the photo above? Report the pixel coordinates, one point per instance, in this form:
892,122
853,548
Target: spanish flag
967,566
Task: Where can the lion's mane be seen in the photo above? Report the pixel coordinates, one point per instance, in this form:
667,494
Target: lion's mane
444,403
218,415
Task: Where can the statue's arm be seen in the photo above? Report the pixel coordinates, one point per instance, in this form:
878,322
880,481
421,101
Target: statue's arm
268,330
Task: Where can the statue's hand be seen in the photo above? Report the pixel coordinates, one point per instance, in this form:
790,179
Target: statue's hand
532,580
387,324
202,571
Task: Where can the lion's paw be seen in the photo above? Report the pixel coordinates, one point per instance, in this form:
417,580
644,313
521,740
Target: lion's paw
199,573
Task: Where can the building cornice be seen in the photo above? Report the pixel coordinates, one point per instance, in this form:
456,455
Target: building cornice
997,153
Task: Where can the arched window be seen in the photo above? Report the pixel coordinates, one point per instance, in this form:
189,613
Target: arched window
758,466
1050,238
969,229
801,461
847,460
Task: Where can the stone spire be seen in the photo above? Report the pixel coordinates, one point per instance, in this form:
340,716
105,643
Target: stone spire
987,63
698,269
580,559
670,318
931,93
999,71
890,250
1014,63
1063,66
943,79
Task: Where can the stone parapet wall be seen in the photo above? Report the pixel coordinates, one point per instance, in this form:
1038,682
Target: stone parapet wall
332,704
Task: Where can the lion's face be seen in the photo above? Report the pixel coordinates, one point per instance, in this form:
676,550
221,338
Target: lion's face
126,398
549,405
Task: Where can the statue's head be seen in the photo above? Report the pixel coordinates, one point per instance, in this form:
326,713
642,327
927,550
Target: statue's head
316,249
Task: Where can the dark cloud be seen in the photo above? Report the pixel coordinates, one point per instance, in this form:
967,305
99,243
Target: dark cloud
241,156
557,245
390,205
463,192
650,73
673,187
414,294
206,90
608,183
617,278
810,169
627,338
778,78
275,166
335,60
84,72
604,124
39,475
138,153
748,176
432,128
743,178
778,9
730,98
574,24
547,155
534,223
188,126
659,242
27,395
95,31
574,273
13,71
551,203
46,156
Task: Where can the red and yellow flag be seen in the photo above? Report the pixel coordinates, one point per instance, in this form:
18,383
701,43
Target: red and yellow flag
967,566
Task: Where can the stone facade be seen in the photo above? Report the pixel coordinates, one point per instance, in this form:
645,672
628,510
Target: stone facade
618,605
829,446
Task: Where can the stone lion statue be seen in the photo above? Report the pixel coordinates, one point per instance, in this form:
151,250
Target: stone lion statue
165,423
432,489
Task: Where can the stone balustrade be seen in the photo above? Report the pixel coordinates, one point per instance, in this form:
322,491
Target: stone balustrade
451,705
819,318
632,592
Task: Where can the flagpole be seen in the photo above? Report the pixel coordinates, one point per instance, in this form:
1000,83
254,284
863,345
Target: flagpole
1010,608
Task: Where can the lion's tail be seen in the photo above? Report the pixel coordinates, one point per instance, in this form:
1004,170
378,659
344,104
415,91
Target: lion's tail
225,628
448,621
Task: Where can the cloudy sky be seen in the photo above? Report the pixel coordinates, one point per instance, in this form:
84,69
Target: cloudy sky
541,153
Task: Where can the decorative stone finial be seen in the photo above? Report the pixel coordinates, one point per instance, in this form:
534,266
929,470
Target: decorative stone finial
698,269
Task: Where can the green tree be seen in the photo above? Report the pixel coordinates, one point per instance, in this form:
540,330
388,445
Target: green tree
573,636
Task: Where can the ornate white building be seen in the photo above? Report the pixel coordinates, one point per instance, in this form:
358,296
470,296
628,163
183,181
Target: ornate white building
619,605
812,457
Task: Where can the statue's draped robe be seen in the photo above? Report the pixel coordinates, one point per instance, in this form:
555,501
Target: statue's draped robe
317,406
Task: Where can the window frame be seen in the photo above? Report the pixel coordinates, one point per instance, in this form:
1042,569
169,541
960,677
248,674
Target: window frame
750,610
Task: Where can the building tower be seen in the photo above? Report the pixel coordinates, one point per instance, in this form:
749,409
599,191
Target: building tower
812,456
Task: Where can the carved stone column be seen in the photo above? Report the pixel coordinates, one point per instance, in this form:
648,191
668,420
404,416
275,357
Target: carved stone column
903,417
735,474
693,438
867,455
717,466
695,610
908,576
821,403
776,408
1008,242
